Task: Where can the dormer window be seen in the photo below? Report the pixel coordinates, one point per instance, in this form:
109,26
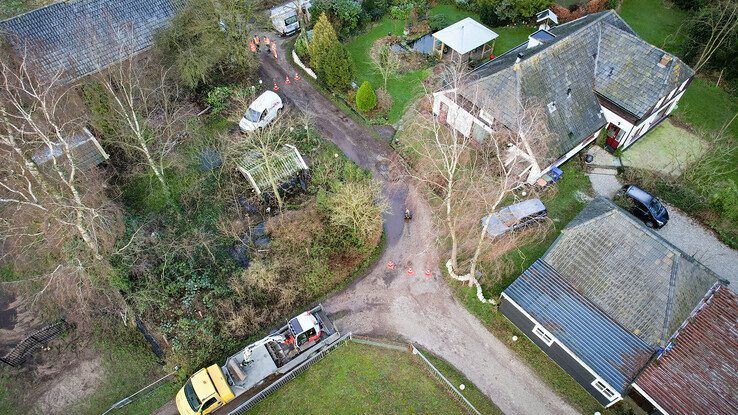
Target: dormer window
665,59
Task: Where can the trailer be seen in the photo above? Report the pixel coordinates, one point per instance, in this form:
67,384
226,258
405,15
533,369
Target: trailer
285,18
258,365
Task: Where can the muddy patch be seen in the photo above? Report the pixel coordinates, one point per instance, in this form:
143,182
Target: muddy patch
71,386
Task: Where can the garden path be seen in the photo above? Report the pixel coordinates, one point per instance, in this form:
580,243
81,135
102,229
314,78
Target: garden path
416,308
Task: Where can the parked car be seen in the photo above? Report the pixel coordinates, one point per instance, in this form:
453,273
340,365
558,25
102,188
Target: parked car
515,216
261,112
644,206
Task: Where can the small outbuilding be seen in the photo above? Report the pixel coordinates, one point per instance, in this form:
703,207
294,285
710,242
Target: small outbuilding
286,163
85,149
467,39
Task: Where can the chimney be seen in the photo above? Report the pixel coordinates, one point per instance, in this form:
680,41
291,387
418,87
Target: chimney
546,19
520,56
665,59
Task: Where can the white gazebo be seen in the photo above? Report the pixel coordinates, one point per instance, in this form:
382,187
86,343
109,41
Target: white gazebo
467,38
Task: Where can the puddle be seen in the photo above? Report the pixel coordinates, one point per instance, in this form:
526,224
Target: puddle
423,44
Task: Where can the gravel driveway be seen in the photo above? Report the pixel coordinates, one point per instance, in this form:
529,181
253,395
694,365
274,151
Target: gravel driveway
686,234
415,308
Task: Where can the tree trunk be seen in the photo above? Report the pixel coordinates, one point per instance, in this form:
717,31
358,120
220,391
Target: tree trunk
451,228
478,250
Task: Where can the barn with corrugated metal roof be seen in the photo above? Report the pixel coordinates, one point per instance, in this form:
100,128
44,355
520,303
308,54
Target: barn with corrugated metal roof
605,298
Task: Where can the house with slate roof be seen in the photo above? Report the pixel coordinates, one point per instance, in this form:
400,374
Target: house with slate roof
697,371
586,75
75,38
605,298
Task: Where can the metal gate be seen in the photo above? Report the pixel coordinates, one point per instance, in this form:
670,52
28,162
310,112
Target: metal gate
22,350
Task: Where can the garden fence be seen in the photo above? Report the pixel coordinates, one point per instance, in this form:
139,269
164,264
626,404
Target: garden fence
446,381
141,393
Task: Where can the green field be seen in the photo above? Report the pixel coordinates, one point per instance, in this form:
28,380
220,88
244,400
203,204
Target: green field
361,379
655,22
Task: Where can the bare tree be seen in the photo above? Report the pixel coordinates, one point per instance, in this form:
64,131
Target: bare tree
508,153
39,120
471,179
56,222
386,62
440,153
148,116
721,21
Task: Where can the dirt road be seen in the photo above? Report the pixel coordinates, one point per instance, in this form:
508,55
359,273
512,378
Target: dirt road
415,308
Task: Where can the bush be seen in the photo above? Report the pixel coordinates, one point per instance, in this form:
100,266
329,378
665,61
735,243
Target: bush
437,22
366,98
689,4
375,9
347,16
488,13
337,68
201,51
301,48
218,98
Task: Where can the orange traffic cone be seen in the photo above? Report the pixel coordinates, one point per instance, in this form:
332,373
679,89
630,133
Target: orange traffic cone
287,80
276,87
297,76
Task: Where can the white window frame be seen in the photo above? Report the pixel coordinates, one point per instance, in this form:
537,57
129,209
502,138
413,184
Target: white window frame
604,389
543,334
484,116
671,94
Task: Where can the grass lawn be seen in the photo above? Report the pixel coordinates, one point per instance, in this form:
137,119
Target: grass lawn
128,365
403,88
654,21
361,379
10,8
667,149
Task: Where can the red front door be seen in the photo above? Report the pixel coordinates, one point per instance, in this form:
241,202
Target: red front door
614,134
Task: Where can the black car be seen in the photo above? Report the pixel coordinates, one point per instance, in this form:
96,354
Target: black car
645,206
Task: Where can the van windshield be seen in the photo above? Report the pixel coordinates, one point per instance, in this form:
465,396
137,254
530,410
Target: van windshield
292,19
191,396
252,115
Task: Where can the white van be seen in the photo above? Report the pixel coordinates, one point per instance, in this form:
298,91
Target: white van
261,112
284,17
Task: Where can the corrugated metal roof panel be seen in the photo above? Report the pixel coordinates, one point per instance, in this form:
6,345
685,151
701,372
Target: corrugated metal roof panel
612,352
698,374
